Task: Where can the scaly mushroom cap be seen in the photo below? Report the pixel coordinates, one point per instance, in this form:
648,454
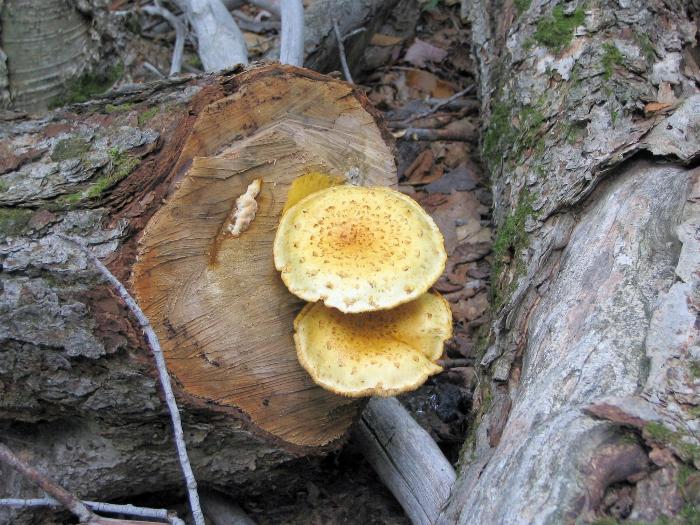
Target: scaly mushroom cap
358,249
378,353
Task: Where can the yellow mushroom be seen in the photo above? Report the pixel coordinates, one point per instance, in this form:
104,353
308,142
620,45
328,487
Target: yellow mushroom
358,249
378,353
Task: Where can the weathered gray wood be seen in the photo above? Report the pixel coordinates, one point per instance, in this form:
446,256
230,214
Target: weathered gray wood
406,459
220,510
590,256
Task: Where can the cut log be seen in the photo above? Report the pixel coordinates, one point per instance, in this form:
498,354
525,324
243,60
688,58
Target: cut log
149,180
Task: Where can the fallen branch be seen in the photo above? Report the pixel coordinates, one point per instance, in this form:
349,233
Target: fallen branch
65,498
158,10
341,51
292,39
406,459
220,42
435,108
162,373
434,134
97,506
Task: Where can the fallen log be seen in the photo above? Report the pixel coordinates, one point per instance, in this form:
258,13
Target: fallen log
148,178
592,147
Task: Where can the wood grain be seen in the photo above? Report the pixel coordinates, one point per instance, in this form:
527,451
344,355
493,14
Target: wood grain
217,303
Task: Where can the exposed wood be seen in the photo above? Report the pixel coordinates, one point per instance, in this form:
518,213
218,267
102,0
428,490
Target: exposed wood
103,175
406,458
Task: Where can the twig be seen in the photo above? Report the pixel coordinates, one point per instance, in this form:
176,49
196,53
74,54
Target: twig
434,134
292,39
65,498
97,506
354,32
162,373
438,106
267,5
454,363
341,51
158,10
153,69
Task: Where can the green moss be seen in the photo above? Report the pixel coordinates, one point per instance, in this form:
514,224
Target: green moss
121,167
500,133
646,47
120,108
613,116
13,221
663,435
522,5
530,120
694,368
3,186
511,239
611,58
148,115
71,148
556,31
88,85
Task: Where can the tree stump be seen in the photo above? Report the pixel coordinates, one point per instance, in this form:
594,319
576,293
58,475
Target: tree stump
148,179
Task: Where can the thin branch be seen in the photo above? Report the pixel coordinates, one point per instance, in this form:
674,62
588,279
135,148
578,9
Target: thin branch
65,498
341,51
153,69
162,373
438,106
97,506
267,5
354,32
455,363
292,39
176,62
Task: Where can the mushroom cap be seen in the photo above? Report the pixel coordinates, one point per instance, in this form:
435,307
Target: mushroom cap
378,353
358,249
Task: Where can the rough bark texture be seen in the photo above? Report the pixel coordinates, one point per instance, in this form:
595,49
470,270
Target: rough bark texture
593,112
79,395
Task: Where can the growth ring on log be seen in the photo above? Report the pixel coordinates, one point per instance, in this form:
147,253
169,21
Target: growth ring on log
219,307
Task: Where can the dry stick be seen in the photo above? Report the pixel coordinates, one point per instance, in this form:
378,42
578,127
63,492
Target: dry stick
162,373
292,39
442,104
158,10
65,498
267,5
354,32
97,506
153,69
341,51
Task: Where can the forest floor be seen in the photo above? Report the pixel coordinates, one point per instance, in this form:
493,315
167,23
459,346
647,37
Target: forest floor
418,72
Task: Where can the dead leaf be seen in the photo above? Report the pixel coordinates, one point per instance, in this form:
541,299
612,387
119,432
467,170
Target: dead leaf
421,52
430,84
460,208
419,168
655,107
257,43
378,39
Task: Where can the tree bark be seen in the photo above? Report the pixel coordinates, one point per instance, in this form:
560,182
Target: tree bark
592,147
148,179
